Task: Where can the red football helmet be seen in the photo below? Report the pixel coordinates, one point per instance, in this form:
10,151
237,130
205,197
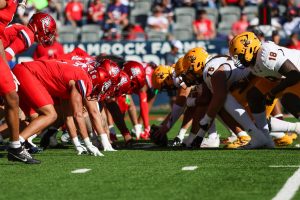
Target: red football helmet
136,73
44,28
112,68
101,83
123,86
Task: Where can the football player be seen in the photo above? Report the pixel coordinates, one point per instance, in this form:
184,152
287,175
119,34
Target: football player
43,80
8,88
277,64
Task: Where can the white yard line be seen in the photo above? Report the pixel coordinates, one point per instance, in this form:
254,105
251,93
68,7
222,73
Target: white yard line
189,168
80,171
290,187
284,166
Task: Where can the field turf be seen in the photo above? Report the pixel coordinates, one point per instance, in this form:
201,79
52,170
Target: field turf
148,172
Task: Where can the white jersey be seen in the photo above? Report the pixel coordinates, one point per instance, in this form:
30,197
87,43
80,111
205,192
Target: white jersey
270,58
233,73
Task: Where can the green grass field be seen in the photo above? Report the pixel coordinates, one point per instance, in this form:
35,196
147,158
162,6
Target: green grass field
151,173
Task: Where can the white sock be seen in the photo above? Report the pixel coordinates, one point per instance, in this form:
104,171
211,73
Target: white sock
21,139
181,133
278,116
14,144
104,140
31,138
138,129
278,125
277,135
87,141
242,133
76,141
261,121
112,129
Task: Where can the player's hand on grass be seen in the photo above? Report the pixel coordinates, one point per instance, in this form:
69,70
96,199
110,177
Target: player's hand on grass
94,150
81,149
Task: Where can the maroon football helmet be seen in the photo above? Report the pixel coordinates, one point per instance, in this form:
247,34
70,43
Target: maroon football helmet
44,28
101,83
136,73
112,68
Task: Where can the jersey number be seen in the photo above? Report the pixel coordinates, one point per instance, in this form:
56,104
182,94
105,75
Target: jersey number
272,56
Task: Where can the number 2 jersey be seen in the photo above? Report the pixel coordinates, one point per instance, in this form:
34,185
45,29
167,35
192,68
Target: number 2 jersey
232,71
270,58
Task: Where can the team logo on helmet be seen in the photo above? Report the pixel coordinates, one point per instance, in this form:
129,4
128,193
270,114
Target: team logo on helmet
115,71
192,58
135,71
106,86
123,80
46,23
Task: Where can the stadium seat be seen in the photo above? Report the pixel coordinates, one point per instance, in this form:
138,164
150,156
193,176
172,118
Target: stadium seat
138,17
143,5
212,14
183,34
91,33
224,28
156,35
185,15
251,12
67,34
230,14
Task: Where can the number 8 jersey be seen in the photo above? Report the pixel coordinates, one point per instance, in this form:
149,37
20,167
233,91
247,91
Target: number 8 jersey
270,58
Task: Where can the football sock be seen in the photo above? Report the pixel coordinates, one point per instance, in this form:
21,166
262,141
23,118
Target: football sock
21,139
261,121
138,130
242,133
279,116
31,138
76,141
213,135
278,125
277,135
112,129
144,108
181,133
14,144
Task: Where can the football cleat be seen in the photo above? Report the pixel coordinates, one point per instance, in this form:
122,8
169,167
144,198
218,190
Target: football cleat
294,136
241,141
65,137
32,149
283,141
230,139
176,142
45,140
21,155
197,142
211,142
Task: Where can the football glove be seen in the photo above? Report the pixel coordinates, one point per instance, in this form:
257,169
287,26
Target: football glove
81,149
94,150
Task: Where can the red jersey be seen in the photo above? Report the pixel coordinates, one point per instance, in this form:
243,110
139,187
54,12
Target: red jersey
75,10
56,75
204,26
148,72
96,8
16,39
80,57
50,52
7,13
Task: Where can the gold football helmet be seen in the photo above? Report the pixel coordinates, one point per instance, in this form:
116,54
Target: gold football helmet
162,77
244,46
179,67
194,61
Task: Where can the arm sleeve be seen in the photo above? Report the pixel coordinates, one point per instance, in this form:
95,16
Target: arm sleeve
18,46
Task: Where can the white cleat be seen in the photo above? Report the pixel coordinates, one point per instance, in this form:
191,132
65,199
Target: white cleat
297,128
211,142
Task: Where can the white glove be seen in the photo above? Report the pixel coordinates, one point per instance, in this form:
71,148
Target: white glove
81,149
191,102
94,150
105,143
